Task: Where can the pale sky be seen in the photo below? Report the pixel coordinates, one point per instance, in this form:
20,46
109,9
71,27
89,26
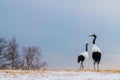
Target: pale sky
61,28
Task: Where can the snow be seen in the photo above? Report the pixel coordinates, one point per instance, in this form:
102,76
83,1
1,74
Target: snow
58,75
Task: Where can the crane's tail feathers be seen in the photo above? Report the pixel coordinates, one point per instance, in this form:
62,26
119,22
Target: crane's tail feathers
78,60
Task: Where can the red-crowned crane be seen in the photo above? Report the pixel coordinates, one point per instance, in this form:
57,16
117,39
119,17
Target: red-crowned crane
96,53
83,56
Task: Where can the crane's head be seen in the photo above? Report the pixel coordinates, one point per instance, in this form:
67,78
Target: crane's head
94,35
87,43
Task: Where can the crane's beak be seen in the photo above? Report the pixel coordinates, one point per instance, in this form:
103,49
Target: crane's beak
90,35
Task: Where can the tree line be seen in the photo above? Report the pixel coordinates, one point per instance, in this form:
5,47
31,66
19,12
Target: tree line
11,57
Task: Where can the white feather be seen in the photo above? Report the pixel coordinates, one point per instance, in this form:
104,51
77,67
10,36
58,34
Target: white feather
95,49
85,54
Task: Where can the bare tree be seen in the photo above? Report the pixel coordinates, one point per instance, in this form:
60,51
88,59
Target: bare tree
12,54
28,56
3,48
32,58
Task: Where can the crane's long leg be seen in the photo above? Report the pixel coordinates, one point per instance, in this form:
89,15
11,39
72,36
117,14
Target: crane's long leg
98,66
94,65
82,66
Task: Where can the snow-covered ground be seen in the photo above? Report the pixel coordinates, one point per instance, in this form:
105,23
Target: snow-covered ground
58,75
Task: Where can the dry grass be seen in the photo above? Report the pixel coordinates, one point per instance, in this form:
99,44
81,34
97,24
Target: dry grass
43,71
34,74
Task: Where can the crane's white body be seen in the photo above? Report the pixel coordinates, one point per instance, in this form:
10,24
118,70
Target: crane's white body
85,54
95,49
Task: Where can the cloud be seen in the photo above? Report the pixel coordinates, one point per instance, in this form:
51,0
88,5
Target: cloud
101,12
101,7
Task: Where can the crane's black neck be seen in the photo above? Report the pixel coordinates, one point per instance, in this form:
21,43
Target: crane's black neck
94,39
86,47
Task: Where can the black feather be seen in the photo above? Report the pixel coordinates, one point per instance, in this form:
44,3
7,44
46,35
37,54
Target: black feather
81,58
96,56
